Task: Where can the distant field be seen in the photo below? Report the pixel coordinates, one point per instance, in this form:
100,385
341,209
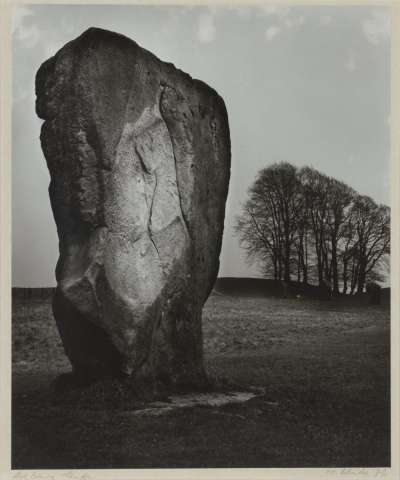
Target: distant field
324,366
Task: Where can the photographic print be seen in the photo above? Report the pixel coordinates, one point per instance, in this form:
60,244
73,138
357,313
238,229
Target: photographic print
201,217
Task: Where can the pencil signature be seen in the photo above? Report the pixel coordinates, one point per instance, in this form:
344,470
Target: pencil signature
361,472
68,475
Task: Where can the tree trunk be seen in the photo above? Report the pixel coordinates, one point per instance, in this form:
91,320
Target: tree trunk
354,276
298,271
345,277
287,261
361,278
320,269
305,261
335,276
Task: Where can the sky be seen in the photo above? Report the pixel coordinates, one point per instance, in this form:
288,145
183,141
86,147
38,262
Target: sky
306,85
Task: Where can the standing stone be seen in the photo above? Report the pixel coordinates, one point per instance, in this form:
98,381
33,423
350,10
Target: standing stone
139,159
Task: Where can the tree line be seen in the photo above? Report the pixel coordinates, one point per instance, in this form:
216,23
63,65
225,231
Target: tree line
300,224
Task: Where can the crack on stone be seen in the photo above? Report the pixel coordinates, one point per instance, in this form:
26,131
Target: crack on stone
152,200
179,192
155,246
142,162
163,86
126,235
149,223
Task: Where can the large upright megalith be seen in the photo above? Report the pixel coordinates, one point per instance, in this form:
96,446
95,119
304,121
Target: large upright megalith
139,159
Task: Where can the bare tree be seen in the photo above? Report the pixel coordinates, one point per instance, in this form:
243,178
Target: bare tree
372,238
314,189
347,251
338,198
304,222
302,244
267,224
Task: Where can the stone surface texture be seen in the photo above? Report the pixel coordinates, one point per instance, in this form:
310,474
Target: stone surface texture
139,159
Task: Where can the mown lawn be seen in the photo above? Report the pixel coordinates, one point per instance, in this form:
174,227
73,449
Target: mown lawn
323,365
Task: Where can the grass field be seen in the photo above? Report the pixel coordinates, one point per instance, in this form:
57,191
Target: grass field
323,365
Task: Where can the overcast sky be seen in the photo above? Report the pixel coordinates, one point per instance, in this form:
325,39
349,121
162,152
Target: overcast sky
307,85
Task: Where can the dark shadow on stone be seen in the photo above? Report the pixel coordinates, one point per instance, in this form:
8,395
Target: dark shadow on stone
87,346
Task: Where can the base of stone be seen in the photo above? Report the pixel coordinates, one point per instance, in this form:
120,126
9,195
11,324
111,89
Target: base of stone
215,399
145,397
